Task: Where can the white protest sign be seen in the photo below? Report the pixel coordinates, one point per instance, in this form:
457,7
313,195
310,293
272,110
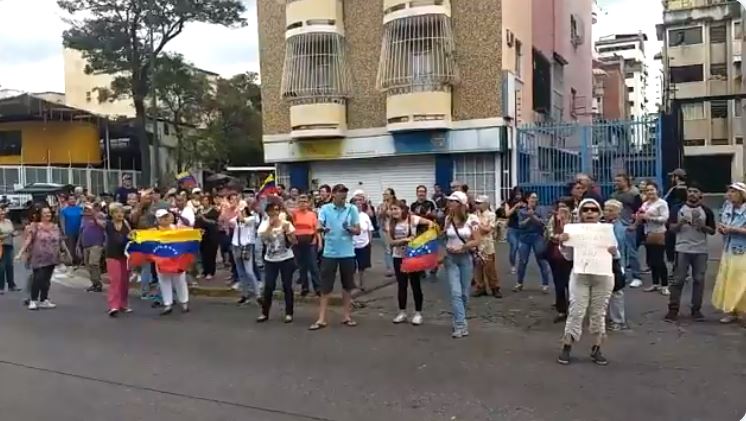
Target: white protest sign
590,243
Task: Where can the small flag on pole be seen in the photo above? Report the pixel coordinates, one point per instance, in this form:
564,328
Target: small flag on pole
268,187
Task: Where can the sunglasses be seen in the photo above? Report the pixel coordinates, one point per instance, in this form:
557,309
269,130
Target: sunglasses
590,210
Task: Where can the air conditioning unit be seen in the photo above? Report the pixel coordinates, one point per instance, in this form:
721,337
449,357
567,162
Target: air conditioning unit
510,38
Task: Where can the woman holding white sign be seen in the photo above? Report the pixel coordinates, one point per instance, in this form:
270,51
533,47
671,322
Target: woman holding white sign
590,283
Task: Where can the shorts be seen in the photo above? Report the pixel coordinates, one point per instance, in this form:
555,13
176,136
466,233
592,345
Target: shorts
362,258
329,267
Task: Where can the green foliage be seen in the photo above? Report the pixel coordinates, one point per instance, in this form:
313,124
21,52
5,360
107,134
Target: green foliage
124,37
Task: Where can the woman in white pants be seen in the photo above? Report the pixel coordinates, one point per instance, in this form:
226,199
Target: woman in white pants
588,293
171,281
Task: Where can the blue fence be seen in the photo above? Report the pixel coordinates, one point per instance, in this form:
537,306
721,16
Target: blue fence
550,155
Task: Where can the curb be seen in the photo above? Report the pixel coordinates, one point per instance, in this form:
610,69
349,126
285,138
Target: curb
227,292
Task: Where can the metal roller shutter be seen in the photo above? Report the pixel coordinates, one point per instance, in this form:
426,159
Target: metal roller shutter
403,174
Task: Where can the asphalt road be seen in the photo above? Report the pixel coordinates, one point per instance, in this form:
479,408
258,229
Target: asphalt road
216,363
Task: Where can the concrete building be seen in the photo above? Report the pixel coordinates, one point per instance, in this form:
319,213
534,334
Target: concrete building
631,48
563,60
702,67
610,94
395,93
82,91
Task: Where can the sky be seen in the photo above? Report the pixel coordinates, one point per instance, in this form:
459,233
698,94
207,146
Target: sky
31,45
31,41
631,16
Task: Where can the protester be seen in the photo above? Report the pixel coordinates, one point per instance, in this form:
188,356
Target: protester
70,219
143,217
42,246
171,281
516,201
561,267
485,269
675,197
207,221
383,215
729,294
362,241
91,244
654,215
439,198
631,201
124,190
531,238
462,238
7,233
339,221
588,293
306,250
617,314
278,236
183,214
402,229
423,207
244,244
117,231
592,190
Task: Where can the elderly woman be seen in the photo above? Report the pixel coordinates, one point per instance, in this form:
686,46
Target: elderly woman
169,281
7,232
729,294
588,293
117,231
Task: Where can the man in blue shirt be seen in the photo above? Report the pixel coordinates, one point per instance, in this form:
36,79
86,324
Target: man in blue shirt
339,221
70,218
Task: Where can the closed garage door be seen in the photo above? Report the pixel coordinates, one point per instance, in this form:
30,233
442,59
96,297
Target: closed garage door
403,174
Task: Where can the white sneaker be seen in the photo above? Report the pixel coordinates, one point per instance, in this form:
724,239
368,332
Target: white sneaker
636,283
46,304
32,305
400,318
417,319
545,289
665,291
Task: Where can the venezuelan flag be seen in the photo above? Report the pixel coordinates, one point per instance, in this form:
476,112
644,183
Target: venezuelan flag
422,252
268,187
187,180
172,250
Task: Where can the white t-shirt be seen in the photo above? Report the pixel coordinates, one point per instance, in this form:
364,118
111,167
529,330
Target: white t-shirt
276,247
245,232
402,230
188,214
366,227
466,232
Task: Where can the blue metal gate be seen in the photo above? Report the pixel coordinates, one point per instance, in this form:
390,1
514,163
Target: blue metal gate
550,155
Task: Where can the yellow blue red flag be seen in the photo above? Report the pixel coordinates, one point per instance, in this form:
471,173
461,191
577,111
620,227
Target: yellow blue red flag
172,250
421,253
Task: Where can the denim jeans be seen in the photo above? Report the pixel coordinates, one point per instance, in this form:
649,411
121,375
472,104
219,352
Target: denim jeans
146,278
6,268
535,243
633,257
246,276
698,263
459,269
306,257
513,242
388,259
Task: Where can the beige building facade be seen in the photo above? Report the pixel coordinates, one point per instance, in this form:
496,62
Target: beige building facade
394,93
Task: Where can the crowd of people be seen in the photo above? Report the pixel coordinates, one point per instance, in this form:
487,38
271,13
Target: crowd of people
309,238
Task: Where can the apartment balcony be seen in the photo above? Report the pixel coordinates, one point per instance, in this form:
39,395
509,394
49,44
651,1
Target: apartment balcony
417,68
315,83
313,16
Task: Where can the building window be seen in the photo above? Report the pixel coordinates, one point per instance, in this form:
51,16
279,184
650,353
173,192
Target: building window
478,172
739,141
558,90
542,78
315,69
688,36
719,71
737,31
737,108
684,74
632,104
417,55
10,142
631,89
720,142
88,96
719,109
717,34
616,48
282,175
629,75
518,58
693,111
166,129
694,142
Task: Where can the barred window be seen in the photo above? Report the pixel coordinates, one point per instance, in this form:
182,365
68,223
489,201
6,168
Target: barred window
477,170
315,68
417,55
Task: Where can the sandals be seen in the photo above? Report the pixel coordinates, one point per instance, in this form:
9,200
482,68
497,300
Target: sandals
317,326
349,323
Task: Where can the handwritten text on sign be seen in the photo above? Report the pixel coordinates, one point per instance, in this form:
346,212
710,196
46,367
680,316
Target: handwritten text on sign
590,243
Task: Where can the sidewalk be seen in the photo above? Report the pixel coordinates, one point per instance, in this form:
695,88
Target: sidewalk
220,285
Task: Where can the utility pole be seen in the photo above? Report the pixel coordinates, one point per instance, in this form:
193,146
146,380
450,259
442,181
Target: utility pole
156,172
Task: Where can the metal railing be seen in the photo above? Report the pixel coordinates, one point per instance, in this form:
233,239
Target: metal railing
95,180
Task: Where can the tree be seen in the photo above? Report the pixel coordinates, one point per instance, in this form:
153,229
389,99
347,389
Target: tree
123,37
183,93
234,129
